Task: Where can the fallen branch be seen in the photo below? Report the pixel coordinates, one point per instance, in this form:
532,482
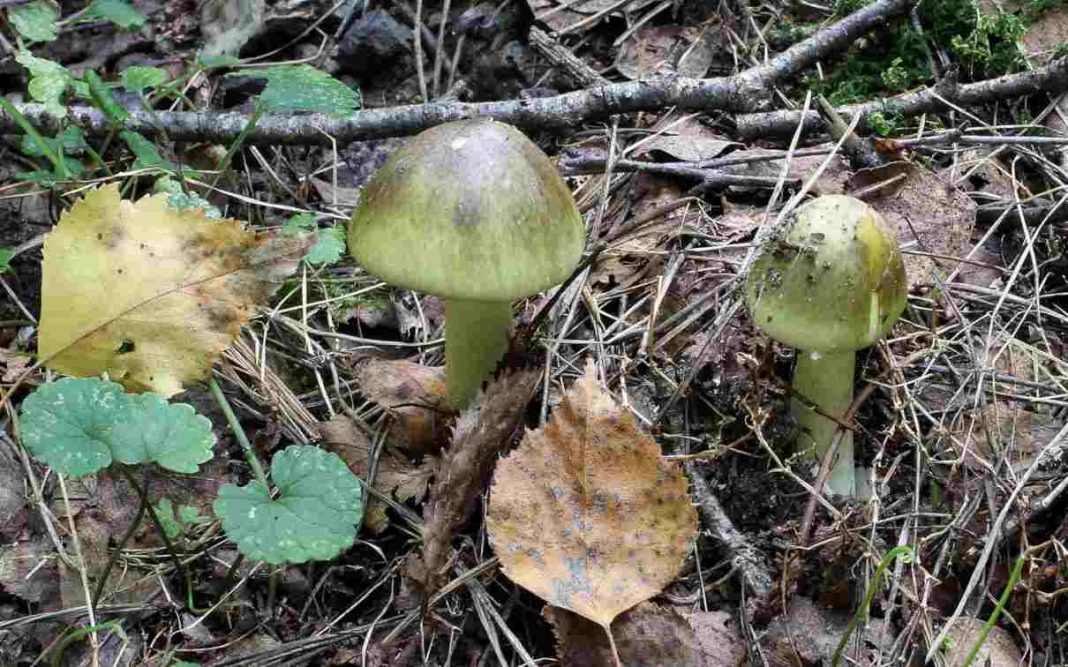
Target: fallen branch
744,92
1052,78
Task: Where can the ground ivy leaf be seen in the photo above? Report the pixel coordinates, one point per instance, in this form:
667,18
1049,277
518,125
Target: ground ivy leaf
138,78
36,21
170,434
313,517
304,88
119,12
67,424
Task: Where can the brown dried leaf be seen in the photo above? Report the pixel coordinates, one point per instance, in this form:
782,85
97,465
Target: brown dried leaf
663,50
645,635
415,395
928,214
831,181
689,140
481,433
808,634
718,639
1047,34
585,513
28,571
395,474
999,649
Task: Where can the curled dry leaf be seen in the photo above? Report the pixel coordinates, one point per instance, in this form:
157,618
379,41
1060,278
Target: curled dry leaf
645,635
415,395
586,514
395,473
481,432
148,294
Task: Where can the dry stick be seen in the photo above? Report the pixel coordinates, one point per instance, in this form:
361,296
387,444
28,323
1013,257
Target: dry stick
1052,77
744,558
742,92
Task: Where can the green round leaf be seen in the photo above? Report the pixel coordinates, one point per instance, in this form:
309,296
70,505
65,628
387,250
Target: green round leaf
67,424
313,517
79,425
299,88
35,21
170,434
138,78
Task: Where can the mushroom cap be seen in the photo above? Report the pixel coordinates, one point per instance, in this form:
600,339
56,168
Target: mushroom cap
830,280
468,210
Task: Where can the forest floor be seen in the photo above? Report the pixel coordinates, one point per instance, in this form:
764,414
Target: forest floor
687,130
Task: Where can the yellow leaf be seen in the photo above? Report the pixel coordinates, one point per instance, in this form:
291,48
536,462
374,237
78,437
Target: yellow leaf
586,514
148,294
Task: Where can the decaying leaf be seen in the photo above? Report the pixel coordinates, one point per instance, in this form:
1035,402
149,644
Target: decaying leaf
149,294
928,214
999,649
481,432
663,50
719,641
415,395
808,634
689,140
395,473
999,428
28,571
586,514
645,635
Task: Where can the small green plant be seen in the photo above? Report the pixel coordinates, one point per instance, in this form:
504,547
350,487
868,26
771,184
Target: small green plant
177,521
906,553
329,242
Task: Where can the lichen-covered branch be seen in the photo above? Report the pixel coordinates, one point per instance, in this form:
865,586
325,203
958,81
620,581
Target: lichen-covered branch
1052,77
744,92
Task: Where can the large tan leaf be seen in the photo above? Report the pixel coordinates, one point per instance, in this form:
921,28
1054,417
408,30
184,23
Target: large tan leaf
586,514
148,294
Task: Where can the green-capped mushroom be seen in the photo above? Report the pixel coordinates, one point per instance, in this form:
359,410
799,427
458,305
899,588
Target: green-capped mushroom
830,282
474,212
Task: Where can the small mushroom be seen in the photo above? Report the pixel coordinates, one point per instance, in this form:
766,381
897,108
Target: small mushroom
830,282
474,212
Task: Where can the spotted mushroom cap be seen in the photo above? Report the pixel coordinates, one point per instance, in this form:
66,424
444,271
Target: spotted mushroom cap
831,279
468,210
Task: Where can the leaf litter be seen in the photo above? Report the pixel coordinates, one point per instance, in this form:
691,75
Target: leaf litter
587,503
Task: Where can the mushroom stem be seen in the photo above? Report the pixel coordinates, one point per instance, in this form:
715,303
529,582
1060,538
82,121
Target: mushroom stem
476,337
826,380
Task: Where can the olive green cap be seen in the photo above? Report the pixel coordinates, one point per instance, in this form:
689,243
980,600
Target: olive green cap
468,210
830,280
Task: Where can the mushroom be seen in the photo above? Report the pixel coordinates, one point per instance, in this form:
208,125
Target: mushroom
829,282
474,212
